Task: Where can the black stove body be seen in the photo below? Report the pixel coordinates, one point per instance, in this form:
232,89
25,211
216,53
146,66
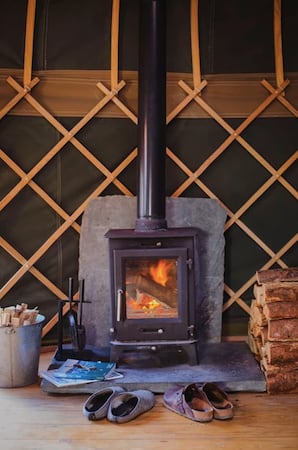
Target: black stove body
153,289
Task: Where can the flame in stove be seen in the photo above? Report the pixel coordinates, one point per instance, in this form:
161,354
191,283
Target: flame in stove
160,272
153,291
144,302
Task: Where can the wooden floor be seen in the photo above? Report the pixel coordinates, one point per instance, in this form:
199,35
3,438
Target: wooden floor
32,419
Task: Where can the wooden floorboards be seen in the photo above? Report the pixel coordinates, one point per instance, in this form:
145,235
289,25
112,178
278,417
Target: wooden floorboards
32,419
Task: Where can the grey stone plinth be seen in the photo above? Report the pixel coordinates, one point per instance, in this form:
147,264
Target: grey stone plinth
229,364
116,212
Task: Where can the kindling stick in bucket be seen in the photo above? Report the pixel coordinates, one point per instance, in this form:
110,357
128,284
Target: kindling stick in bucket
18,315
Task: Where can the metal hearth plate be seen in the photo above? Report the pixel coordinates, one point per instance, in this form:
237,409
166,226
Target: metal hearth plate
230,364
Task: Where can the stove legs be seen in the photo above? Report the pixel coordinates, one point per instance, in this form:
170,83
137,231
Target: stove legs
155,351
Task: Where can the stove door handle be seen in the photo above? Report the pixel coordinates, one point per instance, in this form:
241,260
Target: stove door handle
119,304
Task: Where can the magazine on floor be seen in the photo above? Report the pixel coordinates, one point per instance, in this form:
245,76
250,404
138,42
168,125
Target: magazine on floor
74,372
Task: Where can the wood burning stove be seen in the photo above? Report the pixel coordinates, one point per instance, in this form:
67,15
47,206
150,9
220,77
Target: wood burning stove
153,289
151,266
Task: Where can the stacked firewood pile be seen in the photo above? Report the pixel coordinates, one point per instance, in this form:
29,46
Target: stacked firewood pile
273,328
17,316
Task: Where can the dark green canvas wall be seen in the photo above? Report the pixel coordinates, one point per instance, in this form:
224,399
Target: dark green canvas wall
235,37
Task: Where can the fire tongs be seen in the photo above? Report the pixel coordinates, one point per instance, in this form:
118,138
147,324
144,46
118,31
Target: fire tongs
76,328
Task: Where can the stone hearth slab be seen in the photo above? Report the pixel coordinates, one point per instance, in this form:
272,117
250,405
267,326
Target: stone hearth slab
230,364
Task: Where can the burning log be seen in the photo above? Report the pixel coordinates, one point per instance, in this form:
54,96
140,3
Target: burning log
161,293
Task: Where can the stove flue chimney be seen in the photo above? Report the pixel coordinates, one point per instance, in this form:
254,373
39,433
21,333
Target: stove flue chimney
152,116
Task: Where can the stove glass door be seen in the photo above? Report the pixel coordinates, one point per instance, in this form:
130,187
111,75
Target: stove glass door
150,291
151,287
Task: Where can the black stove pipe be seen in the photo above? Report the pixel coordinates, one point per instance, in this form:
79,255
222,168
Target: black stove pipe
152,116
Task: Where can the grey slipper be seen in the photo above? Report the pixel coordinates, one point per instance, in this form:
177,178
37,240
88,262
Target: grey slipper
97,405
188,401
128,405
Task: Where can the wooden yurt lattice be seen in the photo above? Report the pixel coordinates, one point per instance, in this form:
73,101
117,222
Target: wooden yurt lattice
193,90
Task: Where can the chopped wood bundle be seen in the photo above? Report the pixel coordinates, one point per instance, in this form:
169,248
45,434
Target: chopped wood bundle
279,381
278,352
278,291
273,328
18,315
267,276
280,310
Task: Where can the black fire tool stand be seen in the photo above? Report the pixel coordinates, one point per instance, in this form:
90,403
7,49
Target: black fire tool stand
77,349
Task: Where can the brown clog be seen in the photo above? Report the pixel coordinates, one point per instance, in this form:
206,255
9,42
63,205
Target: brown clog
218,399
188,401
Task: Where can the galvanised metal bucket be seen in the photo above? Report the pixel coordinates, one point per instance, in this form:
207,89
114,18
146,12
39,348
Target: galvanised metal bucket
20,351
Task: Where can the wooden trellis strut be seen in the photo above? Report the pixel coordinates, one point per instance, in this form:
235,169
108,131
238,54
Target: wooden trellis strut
193,177
194,93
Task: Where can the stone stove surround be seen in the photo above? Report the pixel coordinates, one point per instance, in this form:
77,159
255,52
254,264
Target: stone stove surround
105,213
